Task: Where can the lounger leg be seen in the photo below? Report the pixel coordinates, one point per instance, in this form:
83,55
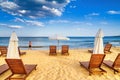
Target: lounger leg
103,71
90,73
35,68
115,71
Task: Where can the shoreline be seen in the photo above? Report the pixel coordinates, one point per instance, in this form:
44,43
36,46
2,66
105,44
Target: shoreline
74,42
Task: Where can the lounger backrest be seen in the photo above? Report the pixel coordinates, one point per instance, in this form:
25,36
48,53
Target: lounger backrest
3,49
107,47
65,48
96,60
16,66
52,49
116,63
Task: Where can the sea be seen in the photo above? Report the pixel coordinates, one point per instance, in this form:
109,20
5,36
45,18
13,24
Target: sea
73,42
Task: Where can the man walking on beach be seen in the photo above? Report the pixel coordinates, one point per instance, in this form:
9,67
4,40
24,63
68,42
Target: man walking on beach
30,45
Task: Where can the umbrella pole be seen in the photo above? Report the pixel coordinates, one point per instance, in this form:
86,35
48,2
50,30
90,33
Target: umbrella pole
58,45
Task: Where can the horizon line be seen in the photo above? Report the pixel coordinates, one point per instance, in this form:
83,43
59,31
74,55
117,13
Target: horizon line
66,36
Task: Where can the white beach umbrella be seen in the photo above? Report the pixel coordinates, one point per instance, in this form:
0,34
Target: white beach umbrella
13,47
58,38
98,43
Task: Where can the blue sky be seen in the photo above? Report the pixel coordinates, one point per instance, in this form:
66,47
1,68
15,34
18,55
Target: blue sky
61,17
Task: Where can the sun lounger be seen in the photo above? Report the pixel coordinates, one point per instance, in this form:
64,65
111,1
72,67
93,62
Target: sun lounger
3,50
113,65
65,49
106,49
3,68
91,51
18,68
52,50
94,65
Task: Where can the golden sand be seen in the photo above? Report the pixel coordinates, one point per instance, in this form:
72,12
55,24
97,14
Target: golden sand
63,67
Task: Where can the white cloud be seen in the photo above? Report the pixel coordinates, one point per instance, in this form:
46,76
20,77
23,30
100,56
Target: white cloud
73,6
22,11
93,14
15,26
29,22
78,22
34,8
1,24
54,2
52,10
113,12
56,12
58,21
19,20
9,5
34,23
11,26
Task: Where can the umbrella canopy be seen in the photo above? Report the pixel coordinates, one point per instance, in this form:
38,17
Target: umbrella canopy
13,47
58,38
98,43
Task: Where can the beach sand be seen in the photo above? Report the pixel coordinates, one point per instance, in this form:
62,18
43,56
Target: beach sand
63,67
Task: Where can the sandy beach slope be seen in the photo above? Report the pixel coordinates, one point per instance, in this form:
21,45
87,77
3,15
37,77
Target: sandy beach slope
63,67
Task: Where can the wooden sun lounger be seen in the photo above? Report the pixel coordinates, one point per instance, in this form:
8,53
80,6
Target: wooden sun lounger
113,65
65,49
52,50
3,68
106,49
3,50
91,51
18,68
94,65
21,53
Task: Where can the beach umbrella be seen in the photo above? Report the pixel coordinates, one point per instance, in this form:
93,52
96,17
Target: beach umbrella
98,43
58,38
13,47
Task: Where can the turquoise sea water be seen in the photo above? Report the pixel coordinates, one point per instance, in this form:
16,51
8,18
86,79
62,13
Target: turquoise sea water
74,42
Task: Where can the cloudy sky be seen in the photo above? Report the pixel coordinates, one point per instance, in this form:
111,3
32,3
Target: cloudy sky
61,17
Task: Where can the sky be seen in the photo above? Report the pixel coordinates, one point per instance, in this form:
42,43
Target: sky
59,17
